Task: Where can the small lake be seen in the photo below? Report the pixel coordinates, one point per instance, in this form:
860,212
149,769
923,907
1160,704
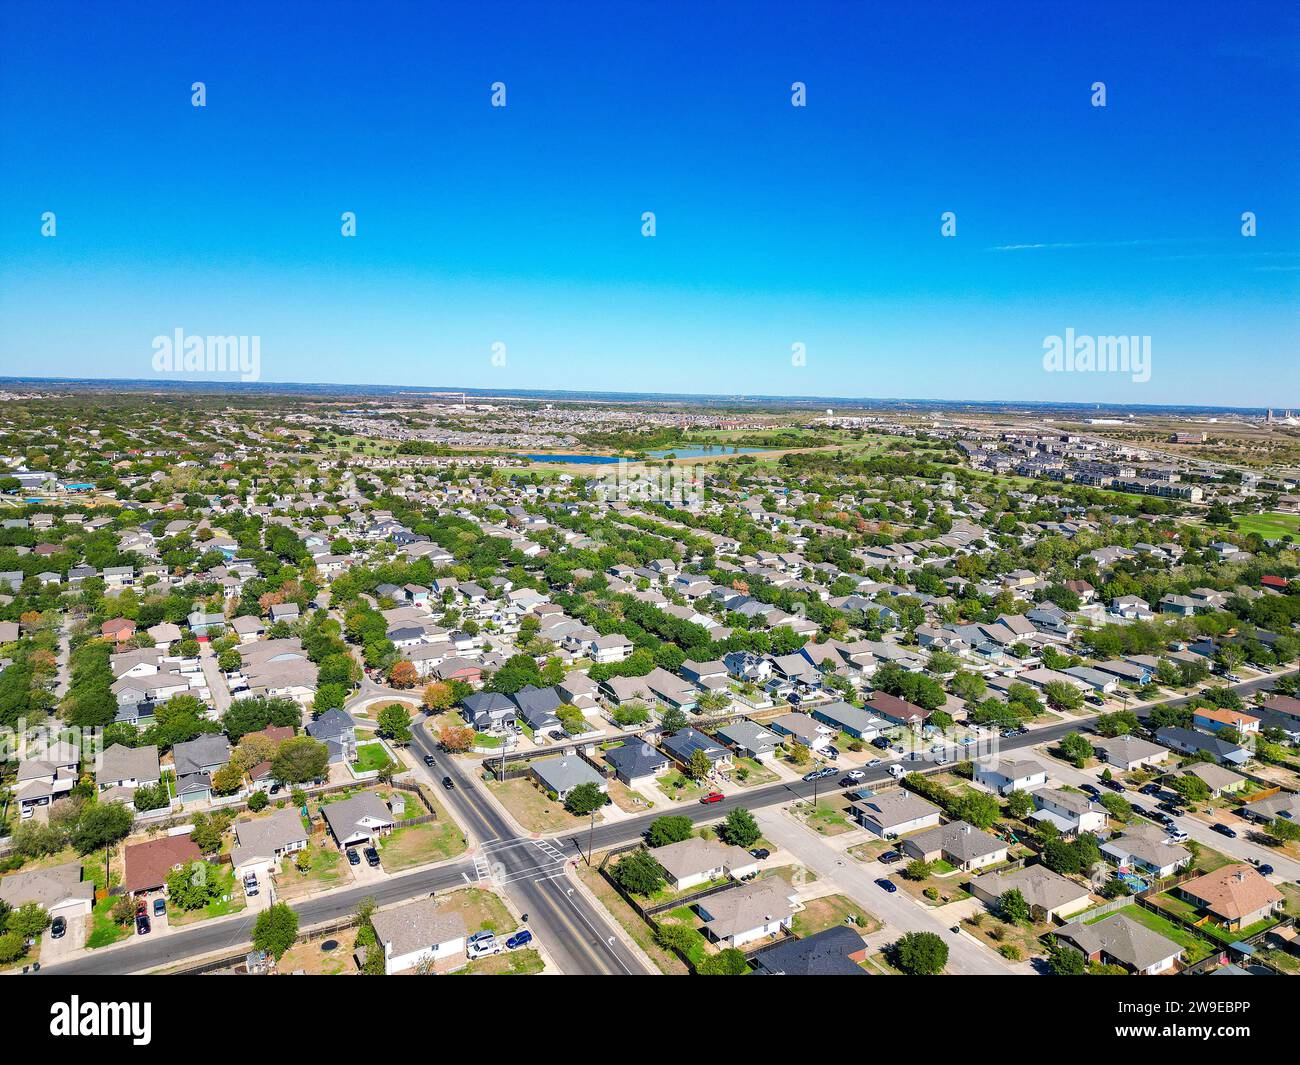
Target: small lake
575,460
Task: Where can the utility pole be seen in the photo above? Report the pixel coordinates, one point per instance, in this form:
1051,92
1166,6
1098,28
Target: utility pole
591,835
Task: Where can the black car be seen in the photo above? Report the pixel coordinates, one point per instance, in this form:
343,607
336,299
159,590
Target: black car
890,857
887,884
1114,785
372,857
58,927
1171,809
881,743
760,853
1149,789
428,760
1090,789
142,924
1142,811
1224,830
1265,869
353,857
448,783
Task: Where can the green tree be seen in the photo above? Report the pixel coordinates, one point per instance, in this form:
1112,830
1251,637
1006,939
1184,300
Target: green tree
395,723
672,828
1076,748
276,930
1020,804
583,799
740,829
699,765
299,760
727,962
920,954
1013,907
101,825
638,873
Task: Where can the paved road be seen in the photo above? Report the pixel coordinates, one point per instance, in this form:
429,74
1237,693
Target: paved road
486,823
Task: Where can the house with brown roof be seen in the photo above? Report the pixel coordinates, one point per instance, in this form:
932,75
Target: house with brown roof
148,863
119,630
1235,896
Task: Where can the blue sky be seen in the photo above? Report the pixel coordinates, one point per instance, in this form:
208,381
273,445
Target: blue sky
776,225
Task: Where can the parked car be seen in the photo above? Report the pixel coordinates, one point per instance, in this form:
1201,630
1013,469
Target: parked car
483,944
1149,789
58,927
712,797
881,743
1177,835
448,783
874,762
854,774
1091,789
1114,785
1224,830
519,939
159,907
760,853
887,884
1265,869
831,752
372,857
250,886
353,857
890,857
142,926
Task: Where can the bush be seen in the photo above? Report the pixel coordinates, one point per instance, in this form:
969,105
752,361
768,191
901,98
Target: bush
258,801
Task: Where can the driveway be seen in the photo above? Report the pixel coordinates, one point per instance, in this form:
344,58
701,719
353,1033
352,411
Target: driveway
898,911
74,939
217,687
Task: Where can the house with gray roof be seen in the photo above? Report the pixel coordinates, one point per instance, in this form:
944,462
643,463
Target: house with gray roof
261,842
636,762
958,843
358,820
847,718
747,912
338,732
1119,940
419,933
694,861
127,767
749,739
562,774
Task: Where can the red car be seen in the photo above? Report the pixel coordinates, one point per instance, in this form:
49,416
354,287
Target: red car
712,797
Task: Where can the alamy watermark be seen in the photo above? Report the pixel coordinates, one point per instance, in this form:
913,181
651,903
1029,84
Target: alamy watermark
181,353
1074,353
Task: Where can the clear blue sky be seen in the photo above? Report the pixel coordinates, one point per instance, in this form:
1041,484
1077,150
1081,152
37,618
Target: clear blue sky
776,225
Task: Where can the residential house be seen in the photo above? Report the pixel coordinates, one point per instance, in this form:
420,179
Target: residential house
1119,940
148,863
358,820
958,843
747,912
418,934
895,813
1070,811
696,861
260,843
1010,774
636,762
1234,897
1050,896
336,729
562,774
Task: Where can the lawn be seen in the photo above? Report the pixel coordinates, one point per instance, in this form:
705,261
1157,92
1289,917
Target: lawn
103,929
698,947
1181,908
755,773
994,933
327,870
626,799
230,900
532,808
310,959
480,909
826,818
818,915
1271,526
678,787
510,963
372,758
433,841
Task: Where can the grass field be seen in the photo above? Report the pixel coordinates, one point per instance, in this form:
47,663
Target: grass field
1271,526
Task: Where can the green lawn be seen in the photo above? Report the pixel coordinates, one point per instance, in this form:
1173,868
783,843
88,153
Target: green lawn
1271,526
103,929
371,758
414,845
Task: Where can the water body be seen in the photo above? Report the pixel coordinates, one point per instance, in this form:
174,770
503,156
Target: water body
574,460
